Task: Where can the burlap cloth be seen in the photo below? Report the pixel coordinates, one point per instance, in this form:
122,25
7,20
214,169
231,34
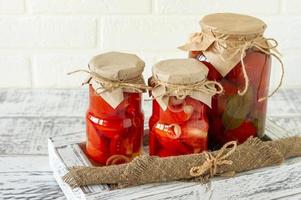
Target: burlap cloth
252,154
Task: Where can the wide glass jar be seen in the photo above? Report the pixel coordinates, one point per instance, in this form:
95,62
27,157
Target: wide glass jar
232,46
179,122
114,119
238,117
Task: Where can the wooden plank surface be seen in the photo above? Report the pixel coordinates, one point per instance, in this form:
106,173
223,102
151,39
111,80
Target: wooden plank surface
27,177
28,117
41,102
28,135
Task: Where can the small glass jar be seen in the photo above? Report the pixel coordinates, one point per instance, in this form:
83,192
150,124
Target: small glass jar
179,122
232,46
114,119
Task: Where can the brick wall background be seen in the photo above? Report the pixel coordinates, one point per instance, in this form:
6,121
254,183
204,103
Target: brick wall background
42,40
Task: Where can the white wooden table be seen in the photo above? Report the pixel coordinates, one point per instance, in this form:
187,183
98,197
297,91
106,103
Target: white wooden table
29,117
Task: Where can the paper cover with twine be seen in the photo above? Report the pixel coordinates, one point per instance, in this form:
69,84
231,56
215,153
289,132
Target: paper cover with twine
226,37
223,38
231,159
181,78
113,73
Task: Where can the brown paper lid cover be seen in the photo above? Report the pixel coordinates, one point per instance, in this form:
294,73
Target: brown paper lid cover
232,24
180,71
117,66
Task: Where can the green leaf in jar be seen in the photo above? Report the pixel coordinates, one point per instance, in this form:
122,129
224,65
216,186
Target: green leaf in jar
237,109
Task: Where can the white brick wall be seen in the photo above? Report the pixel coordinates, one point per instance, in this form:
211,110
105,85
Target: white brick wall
12,6
208,6
15,71
90,6
48,32
41,40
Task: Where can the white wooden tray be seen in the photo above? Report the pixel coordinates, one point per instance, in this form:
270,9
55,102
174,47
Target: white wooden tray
65,152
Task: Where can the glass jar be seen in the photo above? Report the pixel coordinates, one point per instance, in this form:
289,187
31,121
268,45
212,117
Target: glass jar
237,55
236,117
114,127
179,122
180,129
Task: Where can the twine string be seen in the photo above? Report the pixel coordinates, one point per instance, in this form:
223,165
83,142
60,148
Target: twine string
212,163
268,51
182,90
109,85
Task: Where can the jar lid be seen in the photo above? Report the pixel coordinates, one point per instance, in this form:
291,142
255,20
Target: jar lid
233,24
114,73
180,71
181,78
117,66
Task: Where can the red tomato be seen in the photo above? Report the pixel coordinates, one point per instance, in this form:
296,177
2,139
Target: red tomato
117,146
117,159
168,138
172,131
164,153
153,146
219,101
236,76
96,138
99,107
92,134
134,105
198,106
256,61
194,133
195,129
242,133
230,88
213,74
136,139
176,114
96,154
155,114
110,128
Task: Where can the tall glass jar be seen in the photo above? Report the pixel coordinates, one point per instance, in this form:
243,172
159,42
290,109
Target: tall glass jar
232,46
179,122
114,119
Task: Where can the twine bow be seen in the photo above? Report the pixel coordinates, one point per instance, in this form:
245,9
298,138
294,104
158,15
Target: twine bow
109,85
212,163
201,41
